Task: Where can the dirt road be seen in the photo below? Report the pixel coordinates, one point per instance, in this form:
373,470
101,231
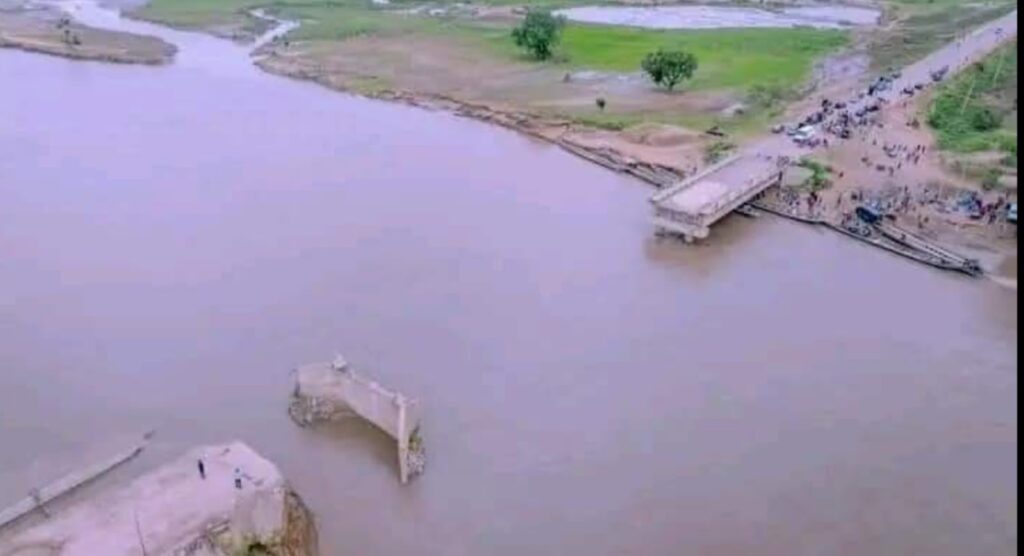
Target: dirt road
969,49
890,159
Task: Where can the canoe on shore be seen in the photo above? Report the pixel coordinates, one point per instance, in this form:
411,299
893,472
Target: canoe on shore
38,497
892,239
882,241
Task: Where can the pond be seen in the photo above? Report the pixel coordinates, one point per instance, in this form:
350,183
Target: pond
720,17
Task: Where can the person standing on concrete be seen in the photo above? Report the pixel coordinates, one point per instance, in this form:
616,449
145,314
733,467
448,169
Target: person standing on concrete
238,478
202,469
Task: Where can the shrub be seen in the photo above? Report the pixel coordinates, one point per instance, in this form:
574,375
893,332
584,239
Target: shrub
668,67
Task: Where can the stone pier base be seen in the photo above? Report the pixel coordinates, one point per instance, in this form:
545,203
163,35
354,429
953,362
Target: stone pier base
331,391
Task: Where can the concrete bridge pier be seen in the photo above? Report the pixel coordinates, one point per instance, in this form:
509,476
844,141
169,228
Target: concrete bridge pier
689,208
332,391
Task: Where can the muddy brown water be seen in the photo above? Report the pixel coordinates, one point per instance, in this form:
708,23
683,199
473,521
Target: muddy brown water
174,240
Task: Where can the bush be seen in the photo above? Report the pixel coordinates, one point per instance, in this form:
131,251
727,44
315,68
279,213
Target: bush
819,178
984,119
539,33
992,179
968,110
668,67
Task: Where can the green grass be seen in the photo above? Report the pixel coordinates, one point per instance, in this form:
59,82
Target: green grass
603,120
341,22
969,112
729,58
195,13
819,178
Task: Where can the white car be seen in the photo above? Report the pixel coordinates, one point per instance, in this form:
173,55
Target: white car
804,134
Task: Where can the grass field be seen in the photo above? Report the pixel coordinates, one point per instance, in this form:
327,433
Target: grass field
976,110
729,58
194,13
926,25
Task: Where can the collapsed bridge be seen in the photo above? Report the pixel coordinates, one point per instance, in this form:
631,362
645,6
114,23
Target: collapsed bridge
690,207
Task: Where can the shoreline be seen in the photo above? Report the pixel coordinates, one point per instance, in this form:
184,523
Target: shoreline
614,150
549,129
43,33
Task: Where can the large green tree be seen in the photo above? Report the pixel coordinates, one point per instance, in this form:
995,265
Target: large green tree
668,67
538,33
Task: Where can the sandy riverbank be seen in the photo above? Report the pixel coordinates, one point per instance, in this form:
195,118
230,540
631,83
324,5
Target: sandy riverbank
45,33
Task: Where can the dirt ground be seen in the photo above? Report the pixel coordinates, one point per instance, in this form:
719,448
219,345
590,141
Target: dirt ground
42,31
898,165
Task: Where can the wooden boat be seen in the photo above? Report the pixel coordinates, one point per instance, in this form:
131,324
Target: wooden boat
929,249
40,496
872,237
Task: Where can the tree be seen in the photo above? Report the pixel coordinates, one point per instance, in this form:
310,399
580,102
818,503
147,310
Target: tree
539,33
668,68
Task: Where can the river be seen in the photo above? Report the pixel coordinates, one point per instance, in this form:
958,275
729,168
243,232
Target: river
173,240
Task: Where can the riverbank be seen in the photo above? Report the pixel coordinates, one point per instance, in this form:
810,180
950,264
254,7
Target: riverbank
45,32
462,57
659,155
377,62
240,501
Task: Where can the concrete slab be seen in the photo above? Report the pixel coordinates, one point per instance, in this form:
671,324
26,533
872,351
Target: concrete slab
172,510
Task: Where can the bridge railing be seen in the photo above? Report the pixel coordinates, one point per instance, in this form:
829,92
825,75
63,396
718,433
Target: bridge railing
735,194
668,192
680,217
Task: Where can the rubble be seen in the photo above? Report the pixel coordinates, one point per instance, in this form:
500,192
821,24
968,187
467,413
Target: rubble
175,510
